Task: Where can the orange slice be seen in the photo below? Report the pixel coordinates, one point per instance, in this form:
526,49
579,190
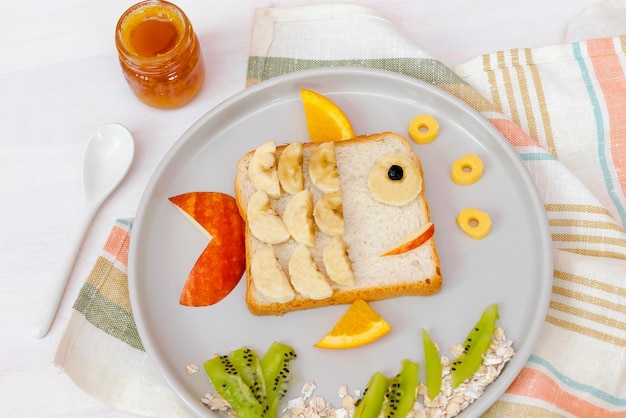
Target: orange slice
325,120
360,325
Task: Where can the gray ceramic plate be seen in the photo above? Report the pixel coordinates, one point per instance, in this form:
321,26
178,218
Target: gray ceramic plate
511,267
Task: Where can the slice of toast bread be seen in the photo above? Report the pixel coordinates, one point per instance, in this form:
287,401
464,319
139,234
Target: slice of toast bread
371,228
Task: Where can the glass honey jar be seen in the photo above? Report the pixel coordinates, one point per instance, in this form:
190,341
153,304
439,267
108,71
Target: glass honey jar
159,54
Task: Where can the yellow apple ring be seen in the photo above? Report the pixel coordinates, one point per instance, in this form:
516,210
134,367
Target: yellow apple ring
467,169
474,222
424,129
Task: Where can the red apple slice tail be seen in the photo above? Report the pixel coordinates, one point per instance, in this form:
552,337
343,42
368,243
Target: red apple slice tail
222,263
212,277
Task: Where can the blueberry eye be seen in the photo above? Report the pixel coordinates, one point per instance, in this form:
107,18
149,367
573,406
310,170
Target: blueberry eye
395,172
395,179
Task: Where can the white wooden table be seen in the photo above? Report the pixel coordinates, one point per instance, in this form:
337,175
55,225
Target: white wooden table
60,80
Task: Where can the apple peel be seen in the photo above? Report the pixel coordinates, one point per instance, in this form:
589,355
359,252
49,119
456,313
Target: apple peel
414,240
221,265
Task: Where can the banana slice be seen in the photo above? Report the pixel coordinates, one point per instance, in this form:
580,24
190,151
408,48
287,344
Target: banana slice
264,222
290,174
328,214
338,265
298,218
323,167
306,278
262,170
268,277
395,179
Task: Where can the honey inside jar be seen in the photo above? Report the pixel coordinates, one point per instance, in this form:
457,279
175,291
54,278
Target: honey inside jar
153,37
159,54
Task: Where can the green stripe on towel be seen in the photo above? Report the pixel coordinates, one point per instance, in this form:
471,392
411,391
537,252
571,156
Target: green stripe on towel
107,316
426,69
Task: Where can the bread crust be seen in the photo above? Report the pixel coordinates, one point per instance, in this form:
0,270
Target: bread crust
379,290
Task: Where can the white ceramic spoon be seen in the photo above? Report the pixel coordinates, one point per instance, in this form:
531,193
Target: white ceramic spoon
106,159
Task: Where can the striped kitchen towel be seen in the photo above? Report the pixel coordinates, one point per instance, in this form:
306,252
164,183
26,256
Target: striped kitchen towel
567,104
561,107
101,350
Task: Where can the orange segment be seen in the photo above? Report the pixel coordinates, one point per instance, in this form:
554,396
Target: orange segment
325,120
360,325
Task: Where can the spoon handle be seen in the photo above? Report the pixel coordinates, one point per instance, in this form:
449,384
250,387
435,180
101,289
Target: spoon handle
47,308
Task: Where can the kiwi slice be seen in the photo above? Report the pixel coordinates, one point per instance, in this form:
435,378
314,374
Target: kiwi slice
474,347
228,382
275,366
433,366
371,403
248,365
400,396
